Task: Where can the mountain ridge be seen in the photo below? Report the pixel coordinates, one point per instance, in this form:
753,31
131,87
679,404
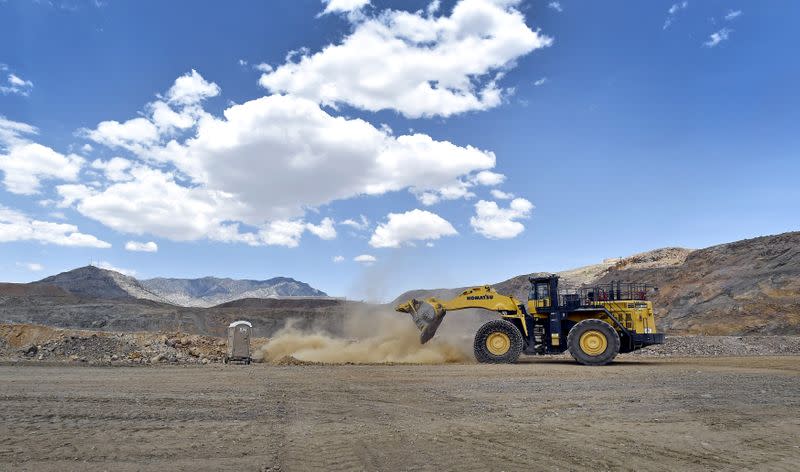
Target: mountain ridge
91,282
211,291
95,282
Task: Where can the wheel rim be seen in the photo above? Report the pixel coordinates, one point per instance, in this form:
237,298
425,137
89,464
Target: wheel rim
498,343
593,342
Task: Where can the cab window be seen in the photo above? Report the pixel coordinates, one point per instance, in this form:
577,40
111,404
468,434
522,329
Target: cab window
540,291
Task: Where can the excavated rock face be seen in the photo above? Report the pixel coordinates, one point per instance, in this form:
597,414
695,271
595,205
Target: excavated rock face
747,287
666,257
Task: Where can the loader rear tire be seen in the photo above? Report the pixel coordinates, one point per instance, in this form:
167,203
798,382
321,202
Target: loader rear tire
593,342
498,342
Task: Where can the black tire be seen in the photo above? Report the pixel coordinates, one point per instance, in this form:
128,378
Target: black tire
597,327
498,327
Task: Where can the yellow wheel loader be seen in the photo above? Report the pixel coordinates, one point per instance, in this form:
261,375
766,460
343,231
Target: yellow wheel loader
593,323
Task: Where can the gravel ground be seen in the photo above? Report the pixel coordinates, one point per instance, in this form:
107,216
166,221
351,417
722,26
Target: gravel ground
733,413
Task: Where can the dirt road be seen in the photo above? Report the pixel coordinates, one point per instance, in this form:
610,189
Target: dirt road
637,414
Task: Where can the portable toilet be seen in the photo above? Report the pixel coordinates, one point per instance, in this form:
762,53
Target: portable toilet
239,342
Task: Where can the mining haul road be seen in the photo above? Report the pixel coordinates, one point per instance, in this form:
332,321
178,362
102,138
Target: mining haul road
734,413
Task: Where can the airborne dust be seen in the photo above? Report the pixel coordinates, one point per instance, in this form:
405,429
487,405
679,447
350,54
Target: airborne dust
371,337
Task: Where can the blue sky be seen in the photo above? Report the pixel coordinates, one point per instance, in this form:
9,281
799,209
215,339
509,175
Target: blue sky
618,127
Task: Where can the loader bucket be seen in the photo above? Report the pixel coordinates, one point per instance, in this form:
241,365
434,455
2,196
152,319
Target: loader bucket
427,317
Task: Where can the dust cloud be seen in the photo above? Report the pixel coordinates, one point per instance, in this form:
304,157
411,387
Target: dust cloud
373,336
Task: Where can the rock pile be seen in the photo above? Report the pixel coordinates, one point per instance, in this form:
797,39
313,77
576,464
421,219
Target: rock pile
27,342
705,346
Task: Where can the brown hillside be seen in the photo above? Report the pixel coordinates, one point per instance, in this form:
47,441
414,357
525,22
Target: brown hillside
745,287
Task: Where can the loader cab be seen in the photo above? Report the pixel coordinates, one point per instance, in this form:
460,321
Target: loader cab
542,291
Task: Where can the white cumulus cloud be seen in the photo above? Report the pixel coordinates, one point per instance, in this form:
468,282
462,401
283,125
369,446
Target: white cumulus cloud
153,202
282,233
718,37
191,89
338,259
459,188
134,134
501,195
262,165
365,259
415,63
12,132
25,164
14,84
115,169
494,222
179,110
324,230
361,224
343,6
414,225
489,178
167,120
16,226
137,246
556,6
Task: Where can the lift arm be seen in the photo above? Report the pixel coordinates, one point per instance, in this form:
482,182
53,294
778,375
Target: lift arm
429,313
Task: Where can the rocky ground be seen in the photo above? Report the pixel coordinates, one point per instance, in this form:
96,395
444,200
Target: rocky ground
24,343
732,413
703,346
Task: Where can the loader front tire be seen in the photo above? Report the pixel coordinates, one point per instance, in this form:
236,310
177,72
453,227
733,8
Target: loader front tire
593,342
498,342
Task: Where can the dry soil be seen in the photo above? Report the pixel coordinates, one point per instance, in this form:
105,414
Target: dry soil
734,413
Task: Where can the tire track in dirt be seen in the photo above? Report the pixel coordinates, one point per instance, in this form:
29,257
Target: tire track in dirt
662,415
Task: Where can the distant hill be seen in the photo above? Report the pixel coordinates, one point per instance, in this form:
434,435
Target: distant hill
745,287
94,282
212,291
94,298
